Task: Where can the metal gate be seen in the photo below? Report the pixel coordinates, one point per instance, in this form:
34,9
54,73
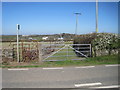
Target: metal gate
28,51
61,52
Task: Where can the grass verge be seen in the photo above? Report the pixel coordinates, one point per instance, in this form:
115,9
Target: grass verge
109,59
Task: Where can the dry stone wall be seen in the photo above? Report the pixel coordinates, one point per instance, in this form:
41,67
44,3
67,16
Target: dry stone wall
102,43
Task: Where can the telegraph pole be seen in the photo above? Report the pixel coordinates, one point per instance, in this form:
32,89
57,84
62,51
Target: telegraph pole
18,28
96,16
76,22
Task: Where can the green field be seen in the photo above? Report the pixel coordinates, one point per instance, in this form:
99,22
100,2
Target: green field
6,45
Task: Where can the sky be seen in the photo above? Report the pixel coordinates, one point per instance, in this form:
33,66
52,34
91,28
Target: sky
58,17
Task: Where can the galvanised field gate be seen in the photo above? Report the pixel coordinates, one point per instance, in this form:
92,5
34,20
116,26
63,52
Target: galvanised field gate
61,52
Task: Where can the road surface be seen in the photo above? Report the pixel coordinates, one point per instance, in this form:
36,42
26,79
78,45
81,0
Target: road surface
89,77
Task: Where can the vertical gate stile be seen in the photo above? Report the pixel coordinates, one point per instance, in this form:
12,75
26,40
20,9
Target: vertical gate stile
90,51
13,53
67,52
22,51
37,50
40,53
29,47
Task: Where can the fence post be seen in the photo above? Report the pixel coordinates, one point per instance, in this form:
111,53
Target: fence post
110,48
40,52
90,50
67,52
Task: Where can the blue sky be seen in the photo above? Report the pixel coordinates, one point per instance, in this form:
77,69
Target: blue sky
58,17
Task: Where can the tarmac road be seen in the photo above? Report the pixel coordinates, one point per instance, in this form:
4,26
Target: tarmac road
90,77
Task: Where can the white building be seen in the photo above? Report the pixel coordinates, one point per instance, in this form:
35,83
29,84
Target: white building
60,38
44,38
25,35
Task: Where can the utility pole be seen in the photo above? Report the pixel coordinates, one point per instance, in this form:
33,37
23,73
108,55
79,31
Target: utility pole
96,16
76,22
18,28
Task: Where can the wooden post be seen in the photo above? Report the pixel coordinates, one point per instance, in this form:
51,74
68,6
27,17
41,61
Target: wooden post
90,51
110,48
22,50
67,52
40,52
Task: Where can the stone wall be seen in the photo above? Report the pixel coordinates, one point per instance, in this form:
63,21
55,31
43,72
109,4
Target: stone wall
102,43
104,52
7,53
105,44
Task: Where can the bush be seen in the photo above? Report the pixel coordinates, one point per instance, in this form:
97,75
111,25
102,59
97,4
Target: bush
84,39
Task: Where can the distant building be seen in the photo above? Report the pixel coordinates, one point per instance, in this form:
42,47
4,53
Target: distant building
30,38
44,38
25,35
60,38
